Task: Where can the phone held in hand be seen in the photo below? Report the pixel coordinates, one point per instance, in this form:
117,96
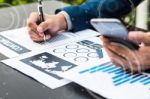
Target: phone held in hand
114,30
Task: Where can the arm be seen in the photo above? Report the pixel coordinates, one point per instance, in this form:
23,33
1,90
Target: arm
81,15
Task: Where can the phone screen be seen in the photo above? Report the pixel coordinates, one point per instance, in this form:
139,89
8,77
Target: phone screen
111,29
115,31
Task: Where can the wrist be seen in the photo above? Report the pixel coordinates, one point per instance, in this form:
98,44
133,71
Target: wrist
62,22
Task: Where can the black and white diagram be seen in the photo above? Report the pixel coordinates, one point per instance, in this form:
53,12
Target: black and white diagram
49,64
82,53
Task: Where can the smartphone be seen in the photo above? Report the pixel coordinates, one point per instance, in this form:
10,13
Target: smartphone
114,30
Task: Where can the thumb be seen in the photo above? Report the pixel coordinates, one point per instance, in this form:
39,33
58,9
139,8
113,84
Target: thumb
43,27
139,37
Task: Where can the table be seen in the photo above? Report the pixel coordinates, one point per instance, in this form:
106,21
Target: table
14,84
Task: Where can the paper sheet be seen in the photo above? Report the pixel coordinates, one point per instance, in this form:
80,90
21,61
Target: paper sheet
45,65
79,62
110,81
16,42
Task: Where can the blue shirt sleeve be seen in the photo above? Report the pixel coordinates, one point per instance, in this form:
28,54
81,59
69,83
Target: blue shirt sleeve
81,15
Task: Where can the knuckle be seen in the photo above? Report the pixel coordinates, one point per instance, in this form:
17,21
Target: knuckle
29,24
47,23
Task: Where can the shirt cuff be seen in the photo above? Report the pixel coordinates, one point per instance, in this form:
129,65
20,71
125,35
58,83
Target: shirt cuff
69,23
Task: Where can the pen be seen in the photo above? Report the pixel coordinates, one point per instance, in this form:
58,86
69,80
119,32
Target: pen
40,11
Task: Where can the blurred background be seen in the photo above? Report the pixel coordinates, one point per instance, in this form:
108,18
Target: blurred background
139,17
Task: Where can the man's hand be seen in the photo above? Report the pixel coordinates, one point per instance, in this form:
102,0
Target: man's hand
134,60
52,25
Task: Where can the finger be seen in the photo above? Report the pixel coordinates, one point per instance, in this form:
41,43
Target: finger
31,25
32,20
38,38
33,32
130,55
144,58
44,26
139,37
105,40
32,29
35,37
116,59
41,28
132,61
125,62
34,17
119,49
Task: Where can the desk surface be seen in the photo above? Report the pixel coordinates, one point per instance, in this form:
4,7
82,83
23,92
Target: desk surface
15,85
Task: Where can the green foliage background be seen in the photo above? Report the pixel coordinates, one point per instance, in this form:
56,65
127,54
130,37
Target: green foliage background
73,2
18,2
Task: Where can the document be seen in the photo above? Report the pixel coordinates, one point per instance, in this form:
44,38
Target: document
86,63
110,81
47,65
16,42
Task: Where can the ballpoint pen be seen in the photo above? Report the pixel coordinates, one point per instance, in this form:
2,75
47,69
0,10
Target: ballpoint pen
41,15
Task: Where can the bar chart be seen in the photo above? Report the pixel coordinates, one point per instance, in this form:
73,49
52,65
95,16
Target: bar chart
118,75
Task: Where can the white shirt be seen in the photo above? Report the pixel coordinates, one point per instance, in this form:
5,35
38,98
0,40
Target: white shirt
68,19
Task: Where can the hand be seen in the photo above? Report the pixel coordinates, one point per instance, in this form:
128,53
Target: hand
52,25
134,60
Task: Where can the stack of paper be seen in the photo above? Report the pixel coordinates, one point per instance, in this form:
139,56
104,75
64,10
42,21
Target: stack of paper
83,61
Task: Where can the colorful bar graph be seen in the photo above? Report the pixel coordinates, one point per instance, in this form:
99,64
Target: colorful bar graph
121,77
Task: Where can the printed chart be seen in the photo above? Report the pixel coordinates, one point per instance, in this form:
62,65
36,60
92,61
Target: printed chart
111,81
46,65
